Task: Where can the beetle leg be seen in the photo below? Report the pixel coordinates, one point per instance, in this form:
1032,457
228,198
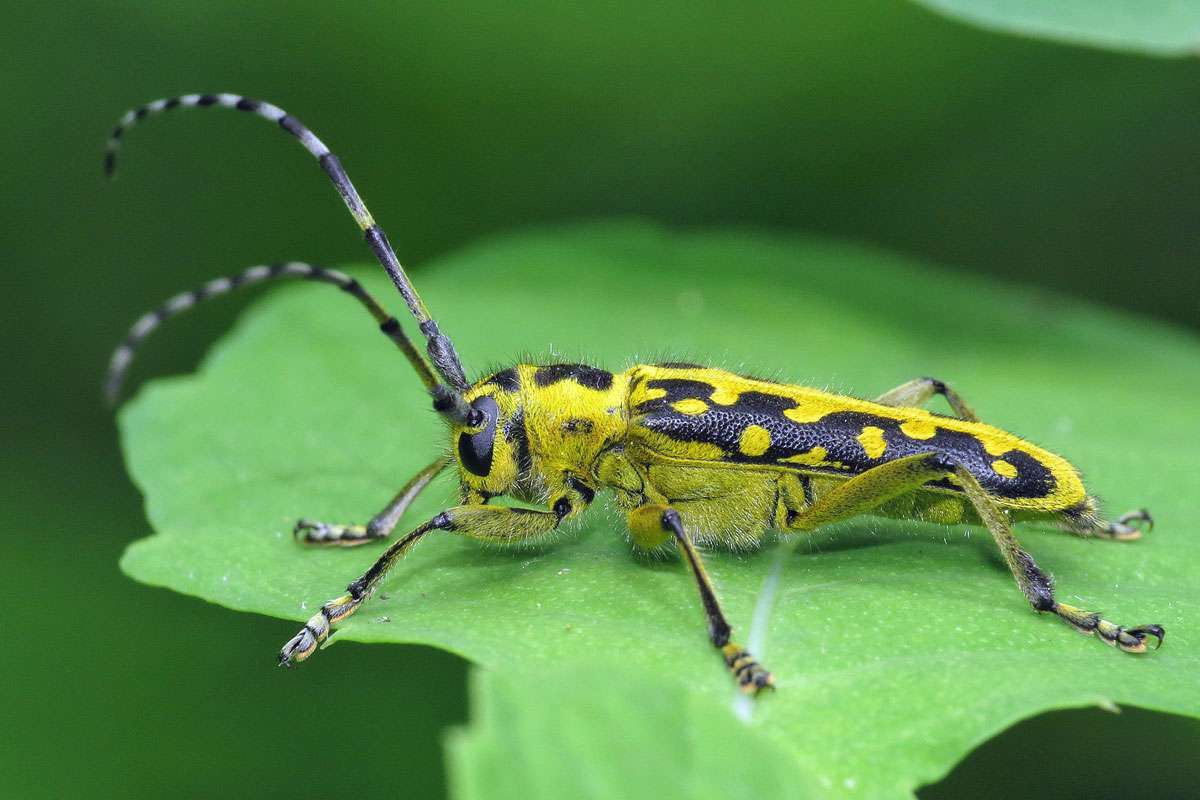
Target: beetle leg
869,490
1122,525
866,491
497,524
1038,587
1083,520
918,391
652,524
381,525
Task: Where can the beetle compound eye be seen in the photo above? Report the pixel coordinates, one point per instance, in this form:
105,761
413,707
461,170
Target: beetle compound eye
475,450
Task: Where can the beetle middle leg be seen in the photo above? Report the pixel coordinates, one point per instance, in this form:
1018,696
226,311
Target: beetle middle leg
326,534
497,524
869,490
918,392
653,524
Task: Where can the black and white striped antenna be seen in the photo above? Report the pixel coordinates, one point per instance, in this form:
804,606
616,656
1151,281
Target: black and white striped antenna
439,347
123,355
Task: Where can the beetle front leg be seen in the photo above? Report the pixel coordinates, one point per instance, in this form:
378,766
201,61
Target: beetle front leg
496,524
324,534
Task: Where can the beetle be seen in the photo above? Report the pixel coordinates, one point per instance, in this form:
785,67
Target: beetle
694,456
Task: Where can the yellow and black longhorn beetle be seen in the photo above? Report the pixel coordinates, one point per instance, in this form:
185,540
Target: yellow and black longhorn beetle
692,454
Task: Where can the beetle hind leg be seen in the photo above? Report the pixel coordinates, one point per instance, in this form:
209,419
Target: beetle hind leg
1037,586
1084,520
1127,526
876,487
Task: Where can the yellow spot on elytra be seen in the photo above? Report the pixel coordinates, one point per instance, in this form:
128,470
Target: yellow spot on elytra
918,428
653,394
1004,468
872,441
807,412
755,440
724,396
814,457
690,406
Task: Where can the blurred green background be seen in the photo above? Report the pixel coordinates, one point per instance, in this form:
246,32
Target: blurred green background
1031,161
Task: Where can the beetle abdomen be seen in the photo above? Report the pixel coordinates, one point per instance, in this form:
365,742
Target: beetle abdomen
712,415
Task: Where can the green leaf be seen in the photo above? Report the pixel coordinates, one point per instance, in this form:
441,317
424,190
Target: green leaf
1159,27
897,646
562,734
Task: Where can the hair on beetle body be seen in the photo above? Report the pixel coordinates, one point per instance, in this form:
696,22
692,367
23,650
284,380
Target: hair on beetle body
692,456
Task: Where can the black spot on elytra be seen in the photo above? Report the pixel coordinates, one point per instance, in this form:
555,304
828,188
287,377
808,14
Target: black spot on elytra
591,377
837,433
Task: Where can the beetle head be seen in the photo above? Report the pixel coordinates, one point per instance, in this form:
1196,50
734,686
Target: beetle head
487,444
